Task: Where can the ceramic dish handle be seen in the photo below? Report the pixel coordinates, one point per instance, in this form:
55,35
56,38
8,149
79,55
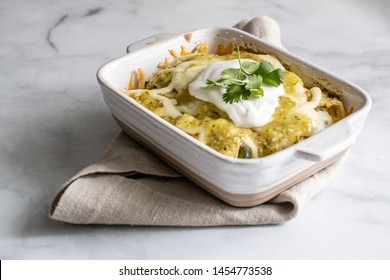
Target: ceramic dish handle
149,41
328,143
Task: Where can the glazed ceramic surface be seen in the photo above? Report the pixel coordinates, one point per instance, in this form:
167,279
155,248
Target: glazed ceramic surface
241,182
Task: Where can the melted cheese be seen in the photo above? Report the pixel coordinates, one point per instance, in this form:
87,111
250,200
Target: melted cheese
283,116
186,72
320,119
168,108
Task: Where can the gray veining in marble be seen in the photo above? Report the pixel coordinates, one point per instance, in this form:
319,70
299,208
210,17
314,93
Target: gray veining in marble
54,122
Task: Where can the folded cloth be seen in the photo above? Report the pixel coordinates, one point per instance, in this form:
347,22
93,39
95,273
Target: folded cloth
131,186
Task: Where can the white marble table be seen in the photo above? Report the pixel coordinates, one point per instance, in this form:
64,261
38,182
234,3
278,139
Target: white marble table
53,122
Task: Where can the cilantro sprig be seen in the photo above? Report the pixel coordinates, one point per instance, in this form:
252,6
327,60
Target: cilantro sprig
246,81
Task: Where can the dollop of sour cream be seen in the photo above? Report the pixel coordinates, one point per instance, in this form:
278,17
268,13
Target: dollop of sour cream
253,112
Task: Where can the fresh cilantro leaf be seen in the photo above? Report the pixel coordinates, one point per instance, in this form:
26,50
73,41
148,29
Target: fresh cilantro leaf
254,85
234,93
274,78
211,83
254,82
214,83
264,68
245,94
229,73
249,67
232,76
241,76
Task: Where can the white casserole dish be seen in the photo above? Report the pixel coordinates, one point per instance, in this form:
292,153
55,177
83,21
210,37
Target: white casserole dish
239,182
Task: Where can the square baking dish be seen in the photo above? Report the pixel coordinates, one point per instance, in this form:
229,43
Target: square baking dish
239,182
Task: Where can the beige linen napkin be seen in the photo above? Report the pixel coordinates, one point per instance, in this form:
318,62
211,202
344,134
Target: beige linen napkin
131,186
